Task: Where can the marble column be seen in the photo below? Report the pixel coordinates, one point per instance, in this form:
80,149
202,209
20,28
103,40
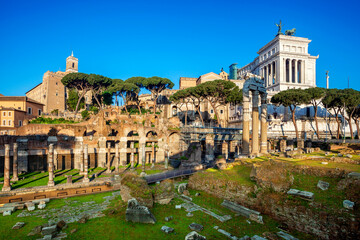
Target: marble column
296,71
51,182
86,164
132,156
263,137
255,123
7,186
153,155
246,124
290,71
81,158
108,163
117,160
15,163
143,157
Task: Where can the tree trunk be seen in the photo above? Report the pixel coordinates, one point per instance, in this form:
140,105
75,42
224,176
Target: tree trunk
78,103
97,100
201,118
357,128
351,129
316,122
294,121
138,105
154,106
338,126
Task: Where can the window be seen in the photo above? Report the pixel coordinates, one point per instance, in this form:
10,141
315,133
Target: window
73,65
9,122
29,110
221,111
39,112
4,114
20,123
211,111
9,114
4,123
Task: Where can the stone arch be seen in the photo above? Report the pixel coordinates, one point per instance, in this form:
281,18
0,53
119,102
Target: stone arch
132,133
151,133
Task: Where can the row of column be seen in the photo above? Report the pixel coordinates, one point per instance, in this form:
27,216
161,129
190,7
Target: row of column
294,71
269,73
255,124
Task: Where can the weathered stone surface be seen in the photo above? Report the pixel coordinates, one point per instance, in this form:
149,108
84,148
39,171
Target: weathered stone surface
137,213
7,213
182,187
303,194
348,204
35,230
286,236
18,225
178,206
354,175
163,192
167,219
61,225
41,206
189,214
83,219
30,206
256,237
348,156
323,185
253,215
194,236
47,237
49,230
133,186
167,229
273,175
220,163
196,227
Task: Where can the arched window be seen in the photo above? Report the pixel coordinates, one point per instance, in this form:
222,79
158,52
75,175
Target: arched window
4,123
9,122
73,65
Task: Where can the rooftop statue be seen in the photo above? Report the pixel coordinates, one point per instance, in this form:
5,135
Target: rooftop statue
280,25
290,32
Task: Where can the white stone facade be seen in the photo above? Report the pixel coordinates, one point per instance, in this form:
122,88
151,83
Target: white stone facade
284,63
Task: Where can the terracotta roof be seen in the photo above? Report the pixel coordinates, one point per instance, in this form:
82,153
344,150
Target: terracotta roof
10,108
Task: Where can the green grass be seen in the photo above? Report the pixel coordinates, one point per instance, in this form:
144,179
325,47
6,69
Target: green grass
238,173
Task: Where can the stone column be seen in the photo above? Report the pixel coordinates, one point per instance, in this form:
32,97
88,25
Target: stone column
153,154
132,155
7,186
263,142
166,156
101,160
123,151
51,182
290,70
117,160
108,163
86,164
246,127
272,74
56,167
81,158
282,145
209,141
225,150
143,157
296,71
15,163
255,123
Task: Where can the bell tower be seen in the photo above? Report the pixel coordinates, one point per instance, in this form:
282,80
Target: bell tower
72,63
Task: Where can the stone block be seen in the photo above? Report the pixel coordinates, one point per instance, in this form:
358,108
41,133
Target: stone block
354,175
18,225
41,206
182,187
49,230
348,204
256,237
35,230
286,236
30,206
178,206
323,185
7,213
254,215
196,227
167,219
303,194
47,237
189,214
167,229
194,236
137,213
348,156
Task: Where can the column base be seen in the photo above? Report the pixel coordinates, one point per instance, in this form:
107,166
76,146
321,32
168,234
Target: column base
86,180
13,179
6,189
51,184
108,171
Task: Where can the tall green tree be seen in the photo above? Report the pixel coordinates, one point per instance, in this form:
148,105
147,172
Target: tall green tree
334,102
80,82
156,85
181,98
291,98
315,95
73,99
98,84
216,93
123,89
196,99
351,98
139,82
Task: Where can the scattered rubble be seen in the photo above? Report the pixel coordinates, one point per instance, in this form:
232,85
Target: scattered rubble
18,225
323,185
167,229
137,213
194,236
348,204
303,194
251,214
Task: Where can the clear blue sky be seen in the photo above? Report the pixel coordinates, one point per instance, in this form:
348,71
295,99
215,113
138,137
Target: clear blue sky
121,39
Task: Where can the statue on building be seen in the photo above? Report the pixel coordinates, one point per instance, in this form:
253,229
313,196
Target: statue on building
290,32
280,25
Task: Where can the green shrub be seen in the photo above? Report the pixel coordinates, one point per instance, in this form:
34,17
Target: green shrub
85,114
42,120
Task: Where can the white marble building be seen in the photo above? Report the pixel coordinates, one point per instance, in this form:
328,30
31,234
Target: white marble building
284,63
